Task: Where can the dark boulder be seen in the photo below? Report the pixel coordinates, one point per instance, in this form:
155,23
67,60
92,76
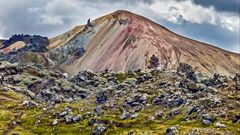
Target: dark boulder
101,97
79,52
171,131
154,61
34,43
207,119
98,129
187,70
143,78
84,78
10,69
236,119
168,100
34,86
1,79
216,81
98,111
29,104
237,81
44,96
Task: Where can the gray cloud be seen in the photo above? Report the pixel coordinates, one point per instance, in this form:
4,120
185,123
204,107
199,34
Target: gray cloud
221,5
53,17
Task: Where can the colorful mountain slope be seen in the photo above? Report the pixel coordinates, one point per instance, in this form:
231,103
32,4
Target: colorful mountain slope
124,41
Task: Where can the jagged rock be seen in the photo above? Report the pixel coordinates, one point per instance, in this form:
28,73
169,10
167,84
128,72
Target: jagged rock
217,81
1,79
65,75
76,118
207,120
143,99
92,121
44,96
98,129
124,115
236,119
143,78
64,113
37,122
57,98
220,125
82,93
194,132
69,119
183,84
154,61
12,80
29,104
164,84
87,115
173,113
133,116
9,69
158,114
168,101
101,97
136,100
171,130
122,86
50,83
192,109
158,100
79,52
237,81
98,110
193,87
68,109
35,85
34,43
131,132
187,70
130,81
55,122
84,78
112,80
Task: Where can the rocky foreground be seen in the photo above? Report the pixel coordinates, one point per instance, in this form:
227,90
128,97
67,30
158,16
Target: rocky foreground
36,100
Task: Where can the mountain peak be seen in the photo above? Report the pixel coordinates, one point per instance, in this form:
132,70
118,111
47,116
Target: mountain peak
122,12
125,13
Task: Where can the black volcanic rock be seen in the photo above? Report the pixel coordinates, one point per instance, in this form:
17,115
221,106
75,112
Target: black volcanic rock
187,70
154,61
34,43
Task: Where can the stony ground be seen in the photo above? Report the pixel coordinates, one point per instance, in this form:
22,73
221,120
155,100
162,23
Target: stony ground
36,100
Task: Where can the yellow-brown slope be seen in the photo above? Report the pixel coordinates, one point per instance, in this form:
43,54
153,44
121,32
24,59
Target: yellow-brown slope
125,41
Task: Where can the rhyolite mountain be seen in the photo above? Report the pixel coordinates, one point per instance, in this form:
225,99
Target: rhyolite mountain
123,41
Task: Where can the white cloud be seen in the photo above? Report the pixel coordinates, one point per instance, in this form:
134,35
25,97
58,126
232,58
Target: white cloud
229,21
175,11
51,20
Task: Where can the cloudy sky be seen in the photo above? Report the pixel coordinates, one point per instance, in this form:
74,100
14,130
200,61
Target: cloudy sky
211,21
